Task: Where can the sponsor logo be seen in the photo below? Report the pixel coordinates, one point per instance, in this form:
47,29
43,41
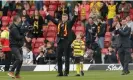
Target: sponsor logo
113,67
2,68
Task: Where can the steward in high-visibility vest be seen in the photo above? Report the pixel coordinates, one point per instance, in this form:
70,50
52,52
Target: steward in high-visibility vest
5,48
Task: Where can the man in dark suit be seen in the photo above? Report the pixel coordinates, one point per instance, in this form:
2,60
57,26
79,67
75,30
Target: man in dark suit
63,39
124,46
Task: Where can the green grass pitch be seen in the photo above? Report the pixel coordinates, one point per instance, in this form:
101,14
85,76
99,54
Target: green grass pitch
89,75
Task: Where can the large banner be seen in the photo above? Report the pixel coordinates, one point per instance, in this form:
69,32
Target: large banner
53,67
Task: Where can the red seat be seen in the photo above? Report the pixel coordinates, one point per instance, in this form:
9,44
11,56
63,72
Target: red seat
14,13
6,18
51,34
79,32
33,40
36,51
9,13
52,28
3,27
51,24
131,11
52,7
80,28
51,13
40,40
4,23
46,3
54,2
51,39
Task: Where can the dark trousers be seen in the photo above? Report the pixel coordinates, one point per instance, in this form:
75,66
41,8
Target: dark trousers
5,10
125,57
8,58
110,22
18,59
63,48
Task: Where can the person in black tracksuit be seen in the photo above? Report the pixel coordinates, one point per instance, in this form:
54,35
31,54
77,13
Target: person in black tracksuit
16,38
63,39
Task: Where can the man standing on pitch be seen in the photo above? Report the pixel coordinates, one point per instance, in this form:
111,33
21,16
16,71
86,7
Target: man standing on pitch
64,30
16,38
124,46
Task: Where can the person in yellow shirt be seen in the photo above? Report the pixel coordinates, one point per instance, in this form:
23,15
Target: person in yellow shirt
79,49
111,13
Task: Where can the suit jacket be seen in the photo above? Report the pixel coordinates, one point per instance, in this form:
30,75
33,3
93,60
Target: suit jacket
69,27
124,37
90,36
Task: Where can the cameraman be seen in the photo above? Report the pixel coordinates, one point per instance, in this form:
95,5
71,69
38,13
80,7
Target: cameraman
16,38
27,30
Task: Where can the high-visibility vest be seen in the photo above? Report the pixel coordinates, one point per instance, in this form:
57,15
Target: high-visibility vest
5,41
65,30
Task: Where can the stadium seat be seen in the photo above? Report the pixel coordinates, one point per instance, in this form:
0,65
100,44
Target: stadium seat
46,3
4,23
131,11
36,51
40,40
6,18
14,13
54,2
52,7
51,34
52,28
51,23
33,40
9,13
79,32
51,39
80,28
52,13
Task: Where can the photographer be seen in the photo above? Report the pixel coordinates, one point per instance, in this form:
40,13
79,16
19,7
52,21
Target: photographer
27,30
16,38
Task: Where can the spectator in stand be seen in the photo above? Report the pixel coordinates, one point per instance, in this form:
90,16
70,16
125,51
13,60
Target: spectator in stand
124,9
37,22
115,37
101,30
5,48
90,32
2,58
41,58
50,53
5,7
129,23
18,6
26,5
29,57
111,12
24,13
104,10
39,5
84,9
111,57
61,10
95,7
